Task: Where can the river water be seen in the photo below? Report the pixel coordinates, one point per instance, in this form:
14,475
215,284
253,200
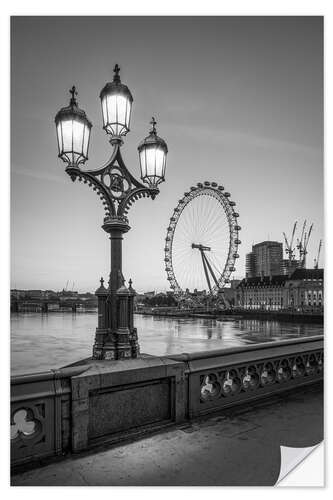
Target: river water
43,341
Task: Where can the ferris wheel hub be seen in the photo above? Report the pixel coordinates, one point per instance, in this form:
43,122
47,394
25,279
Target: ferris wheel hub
200,247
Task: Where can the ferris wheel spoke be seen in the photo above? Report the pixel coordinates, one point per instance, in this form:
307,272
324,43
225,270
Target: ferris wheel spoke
212,225
213,222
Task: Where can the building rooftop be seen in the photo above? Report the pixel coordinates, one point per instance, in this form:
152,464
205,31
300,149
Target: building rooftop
267,242
277,280
307,274
280,280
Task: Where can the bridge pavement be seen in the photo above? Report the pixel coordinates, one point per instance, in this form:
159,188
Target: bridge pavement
237,448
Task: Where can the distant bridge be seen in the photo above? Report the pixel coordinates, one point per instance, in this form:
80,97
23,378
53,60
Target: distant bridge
47,304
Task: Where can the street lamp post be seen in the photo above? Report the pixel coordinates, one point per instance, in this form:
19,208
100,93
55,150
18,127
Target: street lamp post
116,337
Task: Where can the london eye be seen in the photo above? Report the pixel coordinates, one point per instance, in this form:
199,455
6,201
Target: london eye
202,240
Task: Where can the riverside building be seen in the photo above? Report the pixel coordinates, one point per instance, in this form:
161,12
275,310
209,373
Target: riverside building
266,259
301,290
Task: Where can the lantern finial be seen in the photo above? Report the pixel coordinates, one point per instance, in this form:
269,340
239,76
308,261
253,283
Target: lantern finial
74,93
153,124
116,77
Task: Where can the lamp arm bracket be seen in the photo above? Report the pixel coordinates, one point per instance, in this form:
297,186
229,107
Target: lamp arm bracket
116,161
114,184
97,185
101,170
133,196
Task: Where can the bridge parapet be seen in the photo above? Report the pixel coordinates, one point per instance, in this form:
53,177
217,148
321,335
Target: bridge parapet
40,424
92,402
227,377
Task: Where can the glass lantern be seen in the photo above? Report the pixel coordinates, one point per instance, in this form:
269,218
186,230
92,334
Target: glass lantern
152,155
73,133
116,100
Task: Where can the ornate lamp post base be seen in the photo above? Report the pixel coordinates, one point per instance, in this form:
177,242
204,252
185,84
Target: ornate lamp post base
122,345
119,346
116,337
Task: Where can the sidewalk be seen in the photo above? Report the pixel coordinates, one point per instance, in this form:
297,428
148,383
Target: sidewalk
238,448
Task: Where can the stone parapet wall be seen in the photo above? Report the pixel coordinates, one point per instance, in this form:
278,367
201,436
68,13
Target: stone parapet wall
99,402
223,378
40,425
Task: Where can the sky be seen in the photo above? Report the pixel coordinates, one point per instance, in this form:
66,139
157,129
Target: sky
239,101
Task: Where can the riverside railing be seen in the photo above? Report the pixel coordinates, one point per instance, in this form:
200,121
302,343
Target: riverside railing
40,415
222,378
76,408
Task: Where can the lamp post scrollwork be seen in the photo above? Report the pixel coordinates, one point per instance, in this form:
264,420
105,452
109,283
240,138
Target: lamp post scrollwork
118,189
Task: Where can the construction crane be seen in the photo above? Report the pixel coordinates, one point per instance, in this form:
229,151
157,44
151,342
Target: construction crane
303,250
316,261
289,246
299,245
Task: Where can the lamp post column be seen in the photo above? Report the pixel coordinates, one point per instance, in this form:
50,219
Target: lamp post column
115,227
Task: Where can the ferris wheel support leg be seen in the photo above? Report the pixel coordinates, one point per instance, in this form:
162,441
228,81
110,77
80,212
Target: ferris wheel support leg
211,270
206,270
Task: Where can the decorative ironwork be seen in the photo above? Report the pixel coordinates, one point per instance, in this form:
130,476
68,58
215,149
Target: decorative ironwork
114,184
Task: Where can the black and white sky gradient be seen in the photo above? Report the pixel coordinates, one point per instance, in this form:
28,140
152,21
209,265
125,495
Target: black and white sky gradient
239,101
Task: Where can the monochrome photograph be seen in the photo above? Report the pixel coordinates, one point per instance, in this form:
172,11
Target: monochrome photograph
167,249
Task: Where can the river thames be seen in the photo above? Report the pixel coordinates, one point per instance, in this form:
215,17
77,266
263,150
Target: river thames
43,341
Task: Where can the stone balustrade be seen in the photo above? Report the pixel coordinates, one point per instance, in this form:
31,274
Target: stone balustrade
222,378
97,402
40,411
